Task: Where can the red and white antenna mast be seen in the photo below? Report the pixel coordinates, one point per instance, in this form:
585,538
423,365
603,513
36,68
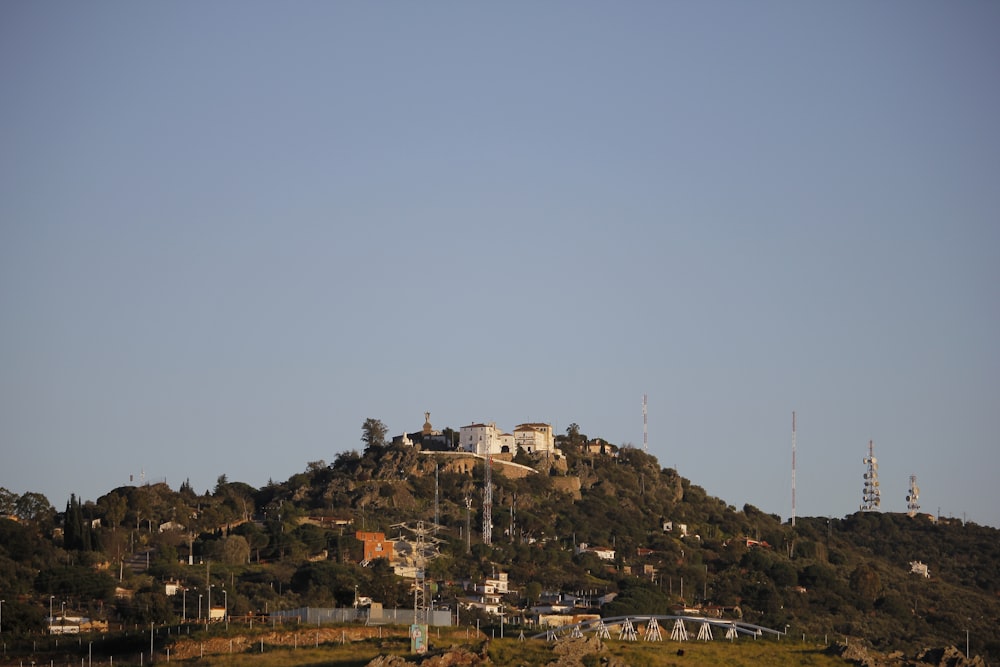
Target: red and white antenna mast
793,468
488,502
871,497
645,427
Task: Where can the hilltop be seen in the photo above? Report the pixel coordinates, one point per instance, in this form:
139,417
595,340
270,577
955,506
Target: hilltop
595,524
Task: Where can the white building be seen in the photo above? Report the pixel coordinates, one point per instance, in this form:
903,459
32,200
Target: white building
534,438
485,439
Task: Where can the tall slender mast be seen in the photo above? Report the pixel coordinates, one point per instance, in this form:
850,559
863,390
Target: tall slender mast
488,502
437,499
793,468
914,495
871,496
645,427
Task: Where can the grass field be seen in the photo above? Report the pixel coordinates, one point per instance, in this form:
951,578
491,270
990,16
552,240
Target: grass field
742,653
333,647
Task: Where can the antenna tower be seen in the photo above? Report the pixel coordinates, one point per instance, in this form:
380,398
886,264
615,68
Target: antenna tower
871,496
914,495
468,524
645,427
793,468
437,497
488,502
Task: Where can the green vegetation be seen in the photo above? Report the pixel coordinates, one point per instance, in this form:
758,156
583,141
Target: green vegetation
292,544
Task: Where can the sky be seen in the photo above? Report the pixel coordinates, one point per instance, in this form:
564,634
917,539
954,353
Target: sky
232,231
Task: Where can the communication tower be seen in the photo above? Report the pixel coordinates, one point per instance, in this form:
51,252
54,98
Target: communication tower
871,496
645,427
419,547
488,502
793,468
437,498
468,524
912,497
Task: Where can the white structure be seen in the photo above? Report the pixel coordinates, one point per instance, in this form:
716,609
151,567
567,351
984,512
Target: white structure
604,553
497,584
912,507
916,567
485,439
534,438
871,496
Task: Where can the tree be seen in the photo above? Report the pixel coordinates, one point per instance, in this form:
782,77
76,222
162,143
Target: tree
33,507
8,501
373,433
235,550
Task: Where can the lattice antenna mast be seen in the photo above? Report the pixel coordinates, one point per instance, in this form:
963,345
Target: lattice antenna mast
437,499
468,524
645,427
913,496
793,468
871,495
488,502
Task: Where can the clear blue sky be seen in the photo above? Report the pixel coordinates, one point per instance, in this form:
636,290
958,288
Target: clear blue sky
231,231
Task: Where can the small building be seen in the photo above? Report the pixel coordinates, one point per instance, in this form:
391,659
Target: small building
604,553
375,546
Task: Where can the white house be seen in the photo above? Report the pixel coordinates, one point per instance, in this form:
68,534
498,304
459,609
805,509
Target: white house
604,553
534,438
485,439
498,583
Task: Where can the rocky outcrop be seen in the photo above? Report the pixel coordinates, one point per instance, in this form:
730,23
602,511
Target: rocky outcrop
864,656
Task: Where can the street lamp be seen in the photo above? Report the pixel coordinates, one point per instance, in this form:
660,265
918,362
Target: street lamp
1,616
184,604
226,603
51,598
199,606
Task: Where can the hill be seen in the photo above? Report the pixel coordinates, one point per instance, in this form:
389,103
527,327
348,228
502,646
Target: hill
664,545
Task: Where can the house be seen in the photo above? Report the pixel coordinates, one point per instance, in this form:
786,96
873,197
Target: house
534,438
600,447
916,567
375,546
604,553
485,439
170,525
498,584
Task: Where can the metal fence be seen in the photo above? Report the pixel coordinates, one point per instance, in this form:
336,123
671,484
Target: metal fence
321,615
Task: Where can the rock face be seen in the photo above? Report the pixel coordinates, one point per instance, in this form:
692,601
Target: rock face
456,657
572,652
928,657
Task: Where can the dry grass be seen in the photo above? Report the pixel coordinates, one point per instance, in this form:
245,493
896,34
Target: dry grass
742,653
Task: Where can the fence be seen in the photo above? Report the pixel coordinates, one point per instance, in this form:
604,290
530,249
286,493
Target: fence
320,615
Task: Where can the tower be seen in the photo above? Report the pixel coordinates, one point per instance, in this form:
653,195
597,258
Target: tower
488,502
645,427
871,496
793,468
912,496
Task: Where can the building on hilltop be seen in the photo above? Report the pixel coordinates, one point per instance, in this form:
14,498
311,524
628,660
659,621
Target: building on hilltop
534,438
426,438
486,440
